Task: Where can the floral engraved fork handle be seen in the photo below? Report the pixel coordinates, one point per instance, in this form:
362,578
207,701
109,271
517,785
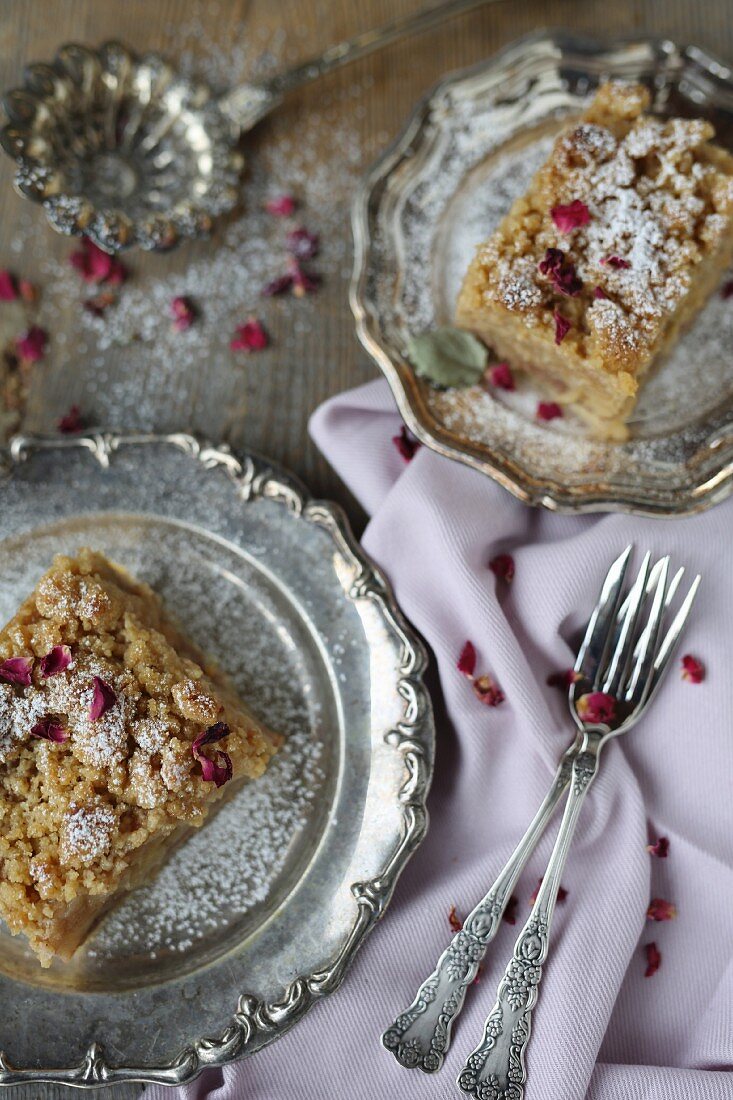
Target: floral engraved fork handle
419,1038
496,1069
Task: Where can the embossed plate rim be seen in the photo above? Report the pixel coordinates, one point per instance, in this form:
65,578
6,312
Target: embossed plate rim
255,1023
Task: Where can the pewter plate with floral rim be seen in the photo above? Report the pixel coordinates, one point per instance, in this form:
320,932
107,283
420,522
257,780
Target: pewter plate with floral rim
260,913
469,149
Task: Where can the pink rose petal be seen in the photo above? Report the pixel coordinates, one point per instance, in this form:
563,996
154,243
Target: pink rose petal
616,262
8,286
250,337
562,327
570,217
56,660
218,771
661,910
502,566
500,375
71,422
302,244
660,848
693,670
17,670
599,292
31,346
183,313
283,206
653,959
487,692
50,730
406,444
454,920
548,410
104,698
97,266
467,659
597,707
277,286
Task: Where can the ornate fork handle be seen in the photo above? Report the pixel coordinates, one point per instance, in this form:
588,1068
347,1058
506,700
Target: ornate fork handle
496,1070
419,1038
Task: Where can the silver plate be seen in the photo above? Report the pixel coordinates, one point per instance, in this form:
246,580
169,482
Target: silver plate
470,147
260,913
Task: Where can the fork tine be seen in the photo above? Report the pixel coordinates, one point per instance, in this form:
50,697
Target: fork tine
671,593
613,673
606,609
646,650
672,636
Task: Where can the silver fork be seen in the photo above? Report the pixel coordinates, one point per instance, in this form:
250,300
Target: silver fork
627,661
420,1036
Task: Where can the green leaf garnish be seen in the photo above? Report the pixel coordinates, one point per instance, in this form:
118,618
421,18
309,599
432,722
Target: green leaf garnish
448,357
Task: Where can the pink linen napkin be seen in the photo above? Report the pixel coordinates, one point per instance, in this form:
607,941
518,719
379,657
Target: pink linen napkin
601,1028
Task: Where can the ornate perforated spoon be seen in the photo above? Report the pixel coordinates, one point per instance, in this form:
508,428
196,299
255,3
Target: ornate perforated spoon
127,151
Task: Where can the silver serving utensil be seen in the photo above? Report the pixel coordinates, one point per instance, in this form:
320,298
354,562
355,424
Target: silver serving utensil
127,151
628,664
420,1036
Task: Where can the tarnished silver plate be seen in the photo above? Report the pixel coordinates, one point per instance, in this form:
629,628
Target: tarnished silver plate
260,913
470,148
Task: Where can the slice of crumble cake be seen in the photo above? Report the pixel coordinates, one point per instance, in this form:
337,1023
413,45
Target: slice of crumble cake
617,243
116,739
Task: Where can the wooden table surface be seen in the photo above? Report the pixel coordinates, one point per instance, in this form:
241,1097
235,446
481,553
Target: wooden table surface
316,144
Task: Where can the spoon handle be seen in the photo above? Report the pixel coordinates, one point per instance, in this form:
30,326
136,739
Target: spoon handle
420,1036
496,1067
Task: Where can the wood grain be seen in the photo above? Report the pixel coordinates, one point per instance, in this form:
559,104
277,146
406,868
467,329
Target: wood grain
268,407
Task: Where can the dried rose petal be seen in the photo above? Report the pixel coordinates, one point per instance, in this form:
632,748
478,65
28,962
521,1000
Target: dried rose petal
653,959
564,679
616,262
659,848
487,692
406,444
103,698
561,893
693,670
454,920
596,707
599,292
56,660
661,910
50,730
552,261
562,327
250,337
467,660
281,207
570,217
183,313
8,286
548,410
304,282
27,290
31,346
218,771
500,375
726,291
97,266
277,286
100,303
71,421
502,566
510,913
561,273
17,670
302,244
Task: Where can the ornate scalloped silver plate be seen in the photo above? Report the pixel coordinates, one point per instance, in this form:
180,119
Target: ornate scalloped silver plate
471,147
259,914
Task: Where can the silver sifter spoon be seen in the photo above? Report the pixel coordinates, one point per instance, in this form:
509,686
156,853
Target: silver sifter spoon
126,150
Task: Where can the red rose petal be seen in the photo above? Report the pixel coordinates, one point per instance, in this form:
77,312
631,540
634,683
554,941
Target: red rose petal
487,692
71,421
548,410
103,698
564,679
653,959
659,848
599,292
661,910
454,920
561,273
693,670
561,893
304,282
597,707
552,261
406,444
562,327
218,771
502,566
510,913
31,346
500,375
467,660
183,313
56,660
302,244
97,266
49,730
17,670
616,262
277,286
250,337
571,216
8,286
281,207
